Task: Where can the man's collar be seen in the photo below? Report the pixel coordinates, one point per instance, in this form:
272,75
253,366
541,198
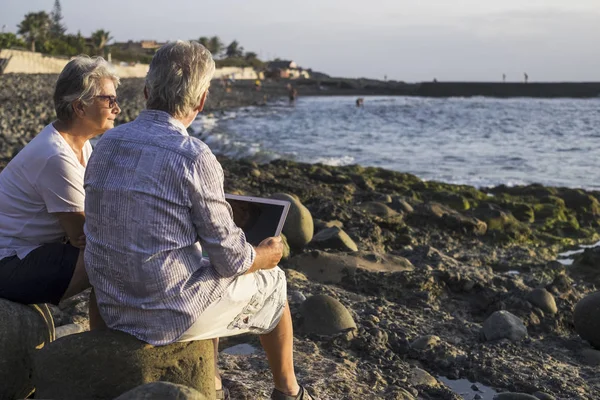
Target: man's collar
163,117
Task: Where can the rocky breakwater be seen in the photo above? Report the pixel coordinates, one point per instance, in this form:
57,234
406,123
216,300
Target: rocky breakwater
395,282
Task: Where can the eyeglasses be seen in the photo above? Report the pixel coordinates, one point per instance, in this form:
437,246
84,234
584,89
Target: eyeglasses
112,100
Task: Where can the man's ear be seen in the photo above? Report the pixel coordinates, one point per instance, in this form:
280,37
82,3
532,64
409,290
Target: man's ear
202,102
145,92
78,108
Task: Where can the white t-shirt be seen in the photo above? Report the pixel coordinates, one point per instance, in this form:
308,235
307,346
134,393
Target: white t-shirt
43,178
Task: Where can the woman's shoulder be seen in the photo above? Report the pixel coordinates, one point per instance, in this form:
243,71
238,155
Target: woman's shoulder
48,143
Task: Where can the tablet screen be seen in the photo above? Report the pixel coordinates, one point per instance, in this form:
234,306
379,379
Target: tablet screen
258,217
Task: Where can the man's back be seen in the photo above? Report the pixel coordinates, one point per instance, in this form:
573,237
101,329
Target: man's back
143,224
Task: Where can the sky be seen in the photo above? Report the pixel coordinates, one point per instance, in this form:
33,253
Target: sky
407,40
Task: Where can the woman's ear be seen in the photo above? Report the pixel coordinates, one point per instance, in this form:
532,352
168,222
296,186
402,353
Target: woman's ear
78,108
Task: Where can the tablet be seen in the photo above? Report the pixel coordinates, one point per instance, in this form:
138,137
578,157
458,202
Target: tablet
258,217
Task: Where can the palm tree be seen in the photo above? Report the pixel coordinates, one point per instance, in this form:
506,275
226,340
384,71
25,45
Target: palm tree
99,40
215,46
234,49
35,27
204,41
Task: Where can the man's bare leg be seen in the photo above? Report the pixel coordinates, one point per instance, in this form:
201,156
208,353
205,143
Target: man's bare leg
218,383
279,346
96,321
79,282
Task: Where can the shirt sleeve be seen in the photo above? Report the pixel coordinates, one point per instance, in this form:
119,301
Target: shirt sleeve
60,183
226,245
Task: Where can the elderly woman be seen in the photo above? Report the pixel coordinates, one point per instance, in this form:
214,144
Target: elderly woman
41,189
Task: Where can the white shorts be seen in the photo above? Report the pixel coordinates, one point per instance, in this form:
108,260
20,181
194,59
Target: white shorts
253,303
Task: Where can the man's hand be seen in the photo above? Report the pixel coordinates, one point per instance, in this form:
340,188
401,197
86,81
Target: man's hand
268,254
273,247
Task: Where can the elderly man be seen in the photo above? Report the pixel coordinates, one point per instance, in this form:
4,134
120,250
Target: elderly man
154,202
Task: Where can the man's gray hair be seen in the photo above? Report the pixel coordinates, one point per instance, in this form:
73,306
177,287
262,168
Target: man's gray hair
80,80
180,73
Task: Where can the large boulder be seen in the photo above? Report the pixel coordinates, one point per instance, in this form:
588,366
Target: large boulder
319,266
333,238
104,364
587,320
162,391
23,329
324,315
299,227
504,325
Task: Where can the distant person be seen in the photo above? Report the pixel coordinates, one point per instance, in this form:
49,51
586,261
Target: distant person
385,77
257,85
42,194
526,77
504,78
148,225
292,93
359,102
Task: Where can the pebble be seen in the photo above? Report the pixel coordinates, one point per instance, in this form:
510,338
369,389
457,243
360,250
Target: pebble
297,297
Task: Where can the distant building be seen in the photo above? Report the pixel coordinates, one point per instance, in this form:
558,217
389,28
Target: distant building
140,46
285,69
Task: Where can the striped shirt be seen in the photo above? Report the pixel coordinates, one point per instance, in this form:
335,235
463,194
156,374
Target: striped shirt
154,201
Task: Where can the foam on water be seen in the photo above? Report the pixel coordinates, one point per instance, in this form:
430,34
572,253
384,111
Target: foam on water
476,141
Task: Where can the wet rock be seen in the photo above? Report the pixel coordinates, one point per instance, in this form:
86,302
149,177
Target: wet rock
542,299
501,223
446,217
587,323
333,238
514,396
587,265
324,315
320,225
323,267
425,342
591,357
504,325
379,209
400,394
296,297
161,391
23,329
420,377
67,330
400,204
452,200
298,227
544,396
104,364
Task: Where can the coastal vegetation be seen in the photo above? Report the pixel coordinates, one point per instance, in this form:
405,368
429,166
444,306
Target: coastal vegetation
46,33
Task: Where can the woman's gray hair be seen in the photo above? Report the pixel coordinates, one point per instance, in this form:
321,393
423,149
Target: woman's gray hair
180,73
80,80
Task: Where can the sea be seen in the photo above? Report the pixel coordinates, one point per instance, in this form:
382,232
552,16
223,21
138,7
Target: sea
477,141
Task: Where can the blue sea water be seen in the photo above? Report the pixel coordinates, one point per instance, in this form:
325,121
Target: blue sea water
475,141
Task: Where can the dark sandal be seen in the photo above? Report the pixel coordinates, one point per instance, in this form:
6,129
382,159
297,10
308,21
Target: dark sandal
302,395
223,394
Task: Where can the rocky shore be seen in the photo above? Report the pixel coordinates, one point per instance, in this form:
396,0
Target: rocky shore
397,284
